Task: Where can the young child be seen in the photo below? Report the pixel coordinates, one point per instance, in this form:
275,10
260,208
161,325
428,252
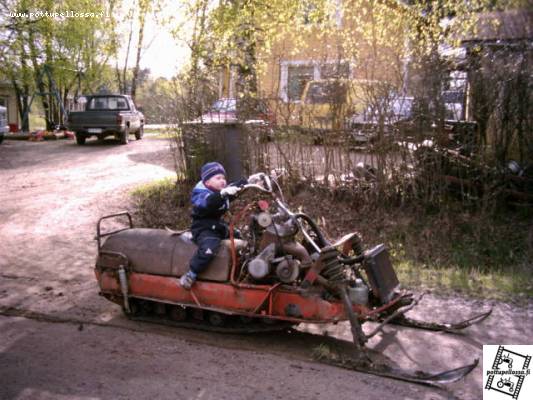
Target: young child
210,199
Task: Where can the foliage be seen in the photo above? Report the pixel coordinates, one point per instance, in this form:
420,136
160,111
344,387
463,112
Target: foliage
74,49
400,48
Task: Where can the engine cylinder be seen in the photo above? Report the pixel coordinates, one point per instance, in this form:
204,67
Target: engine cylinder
258,268
288,270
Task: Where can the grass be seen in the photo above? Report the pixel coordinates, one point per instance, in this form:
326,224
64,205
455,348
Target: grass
36,122
156,188
157,135
450,252
514,283
160,133
161,204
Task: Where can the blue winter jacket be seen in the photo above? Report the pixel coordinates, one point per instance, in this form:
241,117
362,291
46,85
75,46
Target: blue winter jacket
208,207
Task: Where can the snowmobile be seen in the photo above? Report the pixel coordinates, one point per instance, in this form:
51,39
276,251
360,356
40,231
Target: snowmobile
282,272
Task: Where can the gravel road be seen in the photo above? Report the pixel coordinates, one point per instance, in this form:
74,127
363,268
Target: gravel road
60,340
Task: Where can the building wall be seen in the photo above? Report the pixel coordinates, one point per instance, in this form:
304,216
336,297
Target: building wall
8,99
351,44
349,40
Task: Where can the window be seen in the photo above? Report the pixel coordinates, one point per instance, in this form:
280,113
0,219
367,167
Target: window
295,74
335,70
107,103
5,103
224,105
298,76
326,92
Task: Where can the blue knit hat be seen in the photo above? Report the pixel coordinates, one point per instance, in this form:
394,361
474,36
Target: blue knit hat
211,169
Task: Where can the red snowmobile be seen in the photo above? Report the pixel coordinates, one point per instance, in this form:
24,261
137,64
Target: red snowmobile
282,273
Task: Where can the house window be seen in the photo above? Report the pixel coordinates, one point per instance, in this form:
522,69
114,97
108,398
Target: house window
335,70
298,76
295,74
5,103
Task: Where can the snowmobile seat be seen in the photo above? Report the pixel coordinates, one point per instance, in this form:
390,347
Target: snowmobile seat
166,252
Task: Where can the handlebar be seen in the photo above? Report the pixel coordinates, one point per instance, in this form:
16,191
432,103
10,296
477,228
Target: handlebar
267,182
254,186
295,216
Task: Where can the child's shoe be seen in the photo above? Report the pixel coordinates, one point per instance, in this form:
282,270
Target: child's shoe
187,280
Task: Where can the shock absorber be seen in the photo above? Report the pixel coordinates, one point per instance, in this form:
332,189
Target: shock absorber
333,269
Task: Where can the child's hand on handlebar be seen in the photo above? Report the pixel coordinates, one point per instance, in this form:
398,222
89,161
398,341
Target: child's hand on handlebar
230,191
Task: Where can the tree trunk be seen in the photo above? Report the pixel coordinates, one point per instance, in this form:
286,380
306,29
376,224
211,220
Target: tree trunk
246,84
142,20
22,104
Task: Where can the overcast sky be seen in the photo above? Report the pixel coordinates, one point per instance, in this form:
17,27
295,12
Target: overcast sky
163,54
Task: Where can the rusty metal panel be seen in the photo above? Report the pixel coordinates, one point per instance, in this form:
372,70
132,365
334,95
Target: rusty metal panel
148,250
285,305
218,270
161,252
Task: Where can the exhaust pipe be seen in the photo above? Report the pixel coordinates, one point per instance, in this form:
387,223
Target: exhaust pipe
124,287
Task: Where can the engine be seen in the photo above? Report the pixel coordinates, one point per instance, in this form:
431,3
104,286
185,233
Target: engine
275,254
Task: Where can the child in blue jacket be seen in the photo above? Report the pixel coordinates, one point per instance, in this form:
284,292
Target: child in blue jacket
210,200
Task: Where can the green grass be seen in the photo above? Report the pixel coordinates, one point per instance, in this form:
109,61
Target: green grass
155,189
513,283
36,122
158,133
162,203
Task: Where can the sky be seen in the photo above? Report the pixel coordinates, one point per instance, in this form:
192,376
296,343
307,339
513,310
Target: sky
163,54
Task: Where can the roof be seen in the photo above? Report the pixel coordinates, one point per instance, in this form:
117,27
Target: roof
503,25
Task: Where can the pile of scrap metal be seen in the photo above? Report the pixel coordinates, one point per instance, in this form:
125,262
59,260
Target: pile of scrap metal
472,178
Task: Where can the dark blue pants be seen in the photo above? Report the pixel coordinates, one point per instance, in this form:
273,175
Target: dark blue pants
208,242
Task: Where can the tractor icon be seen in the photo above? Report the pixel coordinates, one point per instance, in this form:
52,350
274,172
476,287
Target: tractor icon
506,382
506,359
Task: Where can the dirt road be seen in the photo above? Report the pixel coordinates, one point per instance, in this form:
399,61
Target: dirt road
60,340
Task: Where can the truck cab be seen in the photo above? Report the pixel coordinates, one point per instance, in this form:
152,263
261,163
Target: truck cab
105,115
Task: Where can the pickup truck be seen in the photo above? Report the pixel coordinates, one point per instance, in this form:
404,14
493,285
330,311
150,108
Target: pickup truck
106,115
4,128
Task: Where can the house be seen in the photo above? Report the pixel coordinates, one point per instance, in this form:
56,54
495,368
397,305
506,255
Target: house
343,45
498,56
498,40
8,99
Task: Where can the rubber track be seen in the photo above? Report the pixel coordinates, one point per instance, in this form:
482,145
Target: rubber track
253,327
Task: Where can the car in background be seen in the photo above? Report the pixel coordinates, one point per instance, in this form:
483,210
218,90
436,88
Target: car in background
388,115
4,128
224,110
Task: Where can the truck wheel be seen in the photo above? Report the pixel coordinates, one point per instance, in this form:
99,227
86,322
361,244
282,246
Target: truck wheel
139,135
80,139
125,138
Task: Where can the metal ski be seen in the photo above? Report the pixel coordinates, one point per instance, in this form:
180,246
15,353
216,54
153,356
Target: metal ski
362,364
452,328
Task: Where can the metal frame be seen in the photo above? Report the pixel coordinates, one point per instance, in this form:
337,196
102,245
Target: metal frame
99,235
